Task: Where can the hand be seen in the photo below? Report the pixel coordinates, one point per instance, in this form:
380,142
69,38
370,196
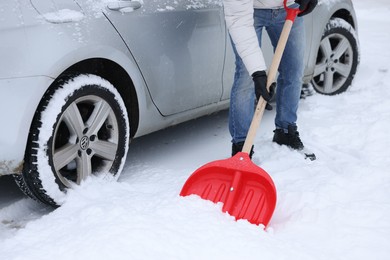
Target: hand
306,6
260,80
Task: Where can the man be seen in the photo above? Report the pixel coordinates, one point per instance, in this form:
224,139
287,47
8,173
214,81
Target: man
245,20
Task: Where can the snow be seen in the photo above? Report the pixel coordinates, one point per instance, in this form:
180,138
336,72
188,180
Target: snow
337,207
64,16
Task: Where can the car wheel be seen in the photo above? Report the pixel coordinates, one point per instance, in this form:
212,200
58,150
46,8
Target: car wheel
337,58
80,129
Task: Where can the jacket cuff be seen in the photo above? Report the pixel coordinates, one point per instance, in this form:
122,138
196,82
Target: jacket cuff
254,62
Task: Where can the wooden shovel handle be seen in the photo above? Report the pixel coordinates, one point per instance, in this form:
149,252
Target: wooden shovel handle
259,111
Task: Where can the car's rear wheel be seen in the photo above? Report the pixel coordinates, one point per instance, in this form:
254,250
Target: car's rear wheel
80,129
337,58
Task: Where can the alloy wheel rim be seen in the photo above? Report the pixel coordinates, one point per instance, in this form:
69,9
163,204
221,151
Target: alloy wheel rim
85,140
334,64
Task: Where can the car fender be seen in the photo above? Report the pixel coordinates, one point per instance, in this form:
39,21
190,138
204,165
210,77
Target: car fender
44,51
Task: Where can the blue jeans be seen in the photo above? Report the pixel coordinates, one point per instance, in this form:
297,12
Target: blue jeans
289,81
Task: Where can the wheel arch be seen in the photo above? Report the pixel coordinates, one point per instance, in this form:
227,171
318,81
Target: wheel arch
118,77
347,16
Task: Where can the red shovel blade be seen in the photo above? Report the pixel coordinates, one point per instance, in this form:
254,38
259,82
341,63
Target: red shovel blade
245,189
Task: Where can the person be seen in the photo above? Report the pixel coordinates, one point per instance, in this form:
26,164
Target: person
245,20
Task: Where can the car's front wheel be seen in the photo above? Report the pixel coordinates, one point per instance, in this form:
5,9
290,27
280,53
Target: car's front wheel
81,128
337,58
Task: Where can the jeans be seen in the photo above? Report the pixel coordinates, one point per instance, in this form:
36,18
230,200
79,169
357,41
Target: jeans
289,81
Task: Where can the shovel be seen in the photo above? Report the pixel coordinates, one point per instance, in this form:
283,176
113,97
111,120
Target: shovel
246,190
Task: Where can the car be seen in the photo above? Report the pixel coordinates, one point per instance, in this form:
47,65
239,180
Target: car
80,79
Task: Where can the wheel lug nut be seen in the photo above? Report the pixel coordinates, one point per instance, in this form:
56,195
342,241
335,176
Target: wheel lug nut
89,151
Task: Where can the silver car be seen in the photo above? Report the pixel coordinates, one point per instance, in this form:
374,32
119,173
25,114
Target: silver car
80,78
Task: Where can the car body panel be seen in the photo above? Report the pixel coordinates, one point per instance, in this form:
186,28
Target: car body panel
16,104
169,45
44,7
38,62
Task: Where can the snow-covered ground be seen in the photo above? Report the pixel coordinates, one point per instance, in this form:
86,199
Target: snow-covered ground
337,207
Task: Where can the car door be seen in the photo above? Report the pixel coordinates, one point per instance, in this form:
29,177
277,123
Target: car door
179,48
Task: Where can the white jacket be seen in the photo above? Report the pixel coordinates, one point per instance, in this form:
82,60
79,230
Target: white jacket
239,21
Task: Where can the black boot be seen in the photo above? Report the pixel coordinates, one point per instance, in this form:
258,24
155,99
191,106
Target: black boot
292,140
237,147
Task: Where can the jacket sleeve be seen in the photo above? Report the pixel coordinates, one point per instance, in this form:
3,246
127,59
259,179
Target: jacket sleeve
239,21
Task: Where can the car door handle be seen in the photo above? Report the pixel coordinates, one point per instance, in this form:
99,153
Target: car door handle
124,5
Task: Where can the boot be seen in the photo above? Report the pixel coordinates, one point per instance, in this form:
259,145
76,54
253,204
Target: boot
237,147
291,138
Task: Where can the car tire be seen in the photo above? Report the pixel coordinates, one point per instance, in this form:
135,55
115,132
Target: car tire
80,129
337,58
